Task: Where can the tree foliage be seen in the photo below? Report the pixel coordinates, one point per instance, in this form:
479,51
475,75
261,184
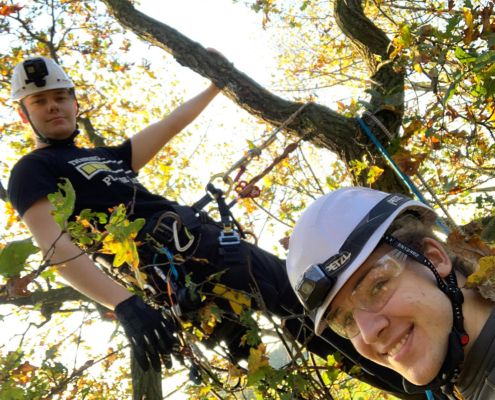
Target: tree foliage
423,69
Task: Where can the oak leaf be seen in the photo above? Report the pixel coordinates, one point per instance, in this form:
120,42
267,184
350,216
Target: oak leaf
408,163
471,249
17,286
6,10
484,273
285,242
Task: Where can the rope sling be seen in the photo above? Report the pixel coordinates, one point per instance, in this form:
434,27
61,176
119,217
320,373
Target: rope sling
245,189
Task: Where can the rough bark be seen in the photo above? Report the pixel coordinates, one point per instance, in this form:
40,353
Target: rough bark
317,124
145,385
3,193
88,127
51,298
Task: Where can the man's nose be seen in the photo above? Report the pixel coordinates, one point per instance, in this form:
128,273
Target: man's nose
370,324
52,105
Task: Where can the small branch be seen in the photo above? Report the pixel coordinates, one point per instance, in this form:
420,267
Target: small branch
97,140
271,215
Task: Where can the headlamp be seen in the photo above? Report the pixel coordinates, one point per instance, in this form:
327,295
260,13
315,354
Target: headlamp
36,71
313,286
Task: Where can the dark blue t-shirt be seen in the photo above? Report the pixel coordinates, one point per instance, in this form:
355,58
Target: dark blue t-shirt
102,178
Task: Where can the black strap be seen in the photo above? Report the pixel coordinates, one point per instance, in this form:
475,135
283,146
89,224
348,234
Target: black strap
203,202
361,234
188,216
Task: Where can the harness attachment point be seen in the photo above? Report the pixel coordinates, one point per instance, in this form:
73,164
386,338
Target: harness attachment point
229,237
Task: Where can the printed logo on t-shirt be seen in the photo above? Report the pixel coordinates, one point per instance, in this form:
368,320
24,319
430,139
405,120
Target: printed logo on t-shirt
90,167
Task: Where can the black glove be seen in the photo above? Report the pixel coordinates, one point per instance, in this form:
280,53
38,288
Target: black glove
149,332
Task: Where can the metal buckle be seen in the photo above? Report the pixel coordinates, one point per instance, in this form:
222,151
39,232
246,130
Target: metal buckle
228,238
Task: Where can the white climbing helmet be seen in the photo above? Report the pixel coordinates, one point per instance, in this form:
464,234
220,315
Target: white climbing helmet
37,74
334,237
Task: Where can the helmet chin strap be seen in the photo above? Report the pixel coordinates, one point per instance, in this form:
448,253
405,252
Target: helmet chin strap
458,338
43,139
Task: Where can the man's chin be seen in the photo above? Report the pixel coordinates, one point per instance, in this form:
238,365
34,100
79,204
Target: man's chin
421,378
60,135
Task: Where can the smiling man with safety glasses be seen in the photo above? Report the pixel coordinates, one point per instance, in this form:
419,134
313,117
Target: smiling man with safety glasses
367,265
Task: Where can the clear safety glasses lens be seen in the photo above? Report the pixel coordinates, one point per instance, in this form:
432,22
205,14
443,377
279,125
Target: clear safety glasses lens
371,292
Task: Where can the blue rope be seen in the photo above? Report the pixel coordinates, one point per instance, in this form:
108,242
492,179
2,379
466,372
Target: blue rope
171,260
429,395
398,171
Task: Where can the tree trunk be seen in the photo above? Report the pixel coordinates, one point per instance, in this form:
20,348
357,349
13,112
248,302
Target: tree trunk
145,385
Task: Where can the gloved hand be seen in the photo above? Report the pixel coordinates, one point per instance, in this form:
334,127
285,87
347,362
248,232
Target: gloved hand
149,332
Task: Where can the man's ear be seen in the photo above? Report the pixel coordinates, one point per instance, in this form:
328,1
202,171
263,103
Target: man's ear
22,115
435,252
76,106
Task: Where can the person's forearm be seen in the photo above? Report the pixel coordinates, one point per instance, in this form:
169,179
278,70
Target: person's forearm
147,143
187,112
85,276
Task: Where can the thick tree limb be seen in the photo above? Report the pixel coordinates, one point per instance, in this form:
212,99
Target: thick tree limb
374,48
318,124
53,297
145,385
97,140
3,193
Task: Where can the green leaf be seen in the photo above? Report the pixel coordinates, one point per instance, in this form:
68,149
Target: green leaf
217,313
406,36
450,92
449,185
487,58
374,93
304,5
51,353
49,273
217,275
64,205
452,24
366,105
14,255
465,58
260,374
250,144
253,337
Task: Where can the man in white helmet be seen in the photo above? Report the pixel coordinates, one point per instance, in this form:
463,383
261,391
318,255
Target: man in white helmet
35,81
103,178
367,265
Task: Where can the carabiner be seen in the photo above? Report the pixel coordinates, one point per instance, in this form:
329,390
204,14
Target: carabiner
226,179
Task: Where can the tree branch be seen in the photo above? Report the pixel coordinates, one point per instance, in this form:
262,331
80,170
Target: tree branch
318,124
3,193
97,140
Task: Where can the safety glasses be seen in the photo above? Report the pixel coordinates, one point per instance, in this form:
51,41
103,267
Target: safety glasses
371,292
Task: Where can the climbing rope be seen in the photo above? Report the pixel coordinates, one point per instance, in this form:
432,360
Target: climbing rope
256,152
412,187
418,174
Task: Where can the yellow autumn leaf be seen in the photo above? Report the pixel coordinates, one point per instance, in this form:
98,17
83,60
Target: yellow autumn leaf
484,273
257,358
374,173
